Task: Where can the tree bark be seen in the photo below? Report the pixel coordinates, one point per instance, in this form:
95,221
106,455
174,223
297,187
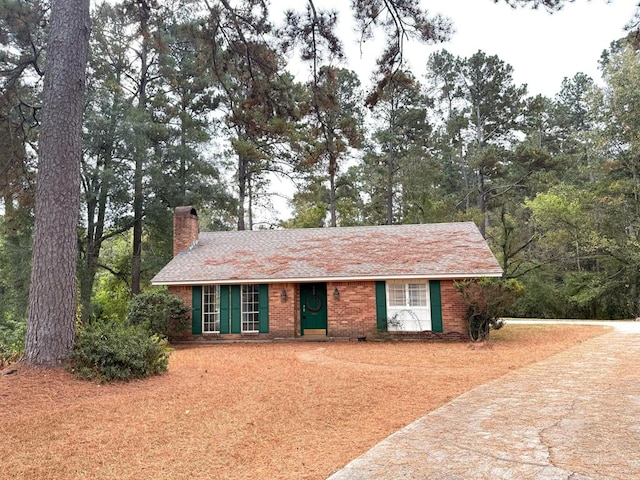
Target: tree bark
242,190
138,200
97,198
333,168
390,187
140,152
52,295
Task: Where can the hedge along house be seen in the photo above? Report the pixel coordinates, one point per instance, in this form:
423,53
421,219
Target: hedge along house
329,282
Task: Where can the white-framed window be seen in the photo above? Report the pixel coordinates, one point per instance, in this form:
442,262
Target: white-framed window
250,320
211,309
408,306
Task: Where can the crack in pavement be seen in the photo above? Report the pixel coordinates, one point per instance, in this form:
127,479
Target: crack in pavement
577,409
541,435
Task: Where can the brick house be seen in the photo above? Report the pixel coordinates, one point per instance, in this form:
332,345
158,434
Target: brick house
329,282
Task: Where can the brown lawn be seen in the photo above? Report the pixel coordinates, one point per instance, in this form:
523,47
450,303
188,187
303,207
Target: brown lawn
249,411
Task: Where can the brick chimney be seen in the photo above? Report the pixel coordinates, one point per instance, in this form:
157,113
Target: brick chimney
185,229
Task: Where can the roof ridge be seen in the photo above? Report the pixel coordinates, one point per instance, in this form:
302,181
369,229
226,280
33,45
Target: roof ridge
342,228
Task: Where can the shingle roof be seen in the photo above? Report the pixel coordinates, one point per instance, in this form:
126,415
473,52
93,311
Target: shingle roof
438,250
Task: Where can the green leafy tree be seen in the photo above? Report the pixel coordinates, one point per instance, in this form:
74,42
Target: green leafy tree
594,259
145,19
561,215
400,145
309,206
617,208
22,37
105,173
493,111
574,122
619,107
149,106
112,293
181,170
334,124
480,109
17,173
513,233
260,102
23,33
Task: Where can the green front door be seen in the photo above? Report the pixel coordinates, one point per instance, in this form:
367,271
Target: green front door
313,307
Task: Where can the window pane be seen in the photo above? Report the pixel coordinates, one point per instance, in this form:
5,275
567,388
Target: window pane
250,321
397,297
417,295
211,309
408,307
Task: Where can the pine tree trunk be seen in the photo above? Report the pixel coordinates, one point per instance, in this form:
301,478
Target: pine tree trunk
390,185
140,154
136,260
52,295
138,209
249,202
482,202
98,190
333,168
95,230
242,190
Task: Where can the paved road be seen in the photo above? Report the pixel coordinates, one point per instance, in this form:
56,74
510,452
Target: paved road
574,416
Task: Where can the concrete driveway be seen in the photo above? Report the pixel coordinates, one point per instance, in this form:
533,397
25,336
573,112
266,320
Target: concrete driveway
574,416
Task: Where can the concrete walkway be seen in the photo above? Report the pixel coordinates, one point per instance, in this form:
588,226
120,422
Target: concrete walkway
574,416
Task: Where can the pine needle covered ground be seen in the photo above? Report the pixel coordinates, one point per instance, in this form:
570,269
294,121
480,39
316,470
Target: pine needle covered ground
249,411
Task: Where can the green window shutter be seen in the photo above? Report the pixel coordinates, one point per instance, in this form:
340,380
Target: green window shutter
236,298
196,310
225,310
381,306
263,308
436,305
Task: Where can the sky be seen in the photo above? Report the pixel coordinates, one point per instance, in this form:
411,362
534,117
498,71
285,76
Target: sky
542,48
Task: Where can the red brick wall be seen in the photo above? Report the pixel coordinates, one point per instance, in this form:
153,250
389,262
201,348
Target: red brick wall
185,228
453,308
353,313
283,321
283,315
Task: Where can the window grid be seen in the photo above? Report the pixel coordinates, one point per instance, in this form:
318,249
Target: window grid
417,294
408,307
250,319
211,309
397,297
407,294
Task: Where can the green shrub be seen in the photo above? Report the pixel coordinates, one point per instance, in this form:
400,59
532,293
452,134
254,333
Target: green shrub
109,351
11,342
10,353
159,312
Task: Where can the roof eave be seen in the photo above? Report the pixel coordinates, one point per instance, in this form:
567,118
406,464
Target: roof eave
229,281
